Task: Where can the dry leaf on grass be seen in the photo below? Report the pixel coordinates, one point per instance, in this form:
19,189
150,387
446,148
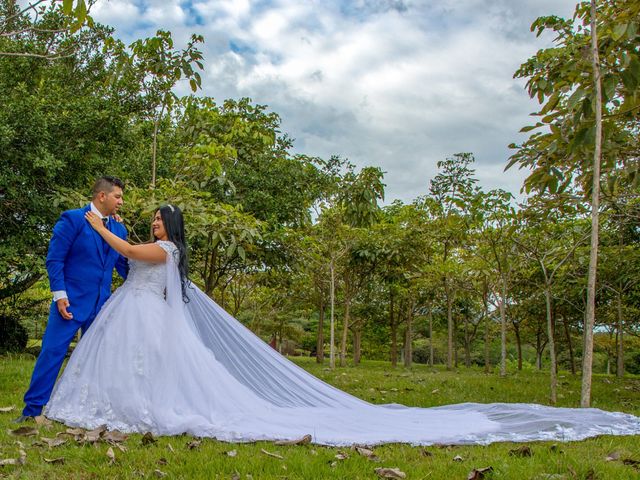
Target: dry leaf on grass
458,458
24,432
193,444
162,461
53,442
479,473
231,453
300,441
114,436
390,473
7,409
632,463
111,456
426,453
341,456
522,451
92,436
613,456
54,461
148,439
159,473
43,421
170,448
120,447
21,460
365,452
274,455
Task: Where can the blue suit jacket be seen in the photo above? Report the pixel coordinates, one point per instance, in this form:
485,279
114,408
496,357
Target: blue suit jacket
80,262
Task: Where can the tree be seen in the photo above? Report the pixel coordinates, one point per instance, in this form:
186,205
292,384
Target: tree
548,241
157,67
23,28
589,120
452,190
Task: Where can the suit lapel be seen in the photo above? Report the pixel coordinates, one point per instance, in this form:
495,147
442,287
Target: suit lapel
97,238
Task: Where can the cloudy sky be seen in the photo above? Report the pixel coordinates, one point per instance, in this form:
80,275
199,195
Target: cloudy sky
398,84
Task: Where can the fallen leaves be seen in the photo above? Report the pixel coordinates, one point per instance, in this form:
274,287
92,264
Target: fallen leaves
618,457
148,439
522,451
53,442
193,444
111,456
300,441
114,436
479,473
43,421
390,472
54,461
274,455
24,432
7,409
231,453
21,460
365,452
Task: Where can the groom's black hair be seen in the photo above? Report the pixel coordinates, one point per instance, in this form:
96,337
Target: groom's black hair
174,226
106,184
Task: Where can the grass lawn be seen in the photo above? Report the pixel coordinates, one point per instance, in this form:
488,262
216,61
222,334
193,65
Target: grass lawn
179,457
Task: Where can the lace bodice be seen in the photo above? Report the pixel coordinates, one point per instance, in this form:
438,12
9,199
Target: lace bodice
150,277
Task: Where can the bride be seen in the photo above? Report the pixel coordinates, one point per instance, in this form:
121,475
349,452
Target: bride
163,357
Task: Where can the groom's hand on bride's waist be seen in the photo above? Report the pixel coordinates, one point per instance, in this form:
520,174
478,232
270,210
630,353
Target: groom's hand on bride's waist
63,304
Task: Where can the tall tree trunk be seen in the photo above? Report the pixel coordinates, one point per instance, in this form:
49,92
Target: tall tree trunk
487,337
408,335
620,340
154,146
487,340
567,334
430,337
320,340
589,321
332,354
467,343
552,346
394,330
503,329
447,291
516,331
357,342
345,327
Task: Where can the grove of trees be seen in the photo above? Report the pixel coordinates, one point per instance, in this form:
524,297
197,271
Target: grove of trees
302,249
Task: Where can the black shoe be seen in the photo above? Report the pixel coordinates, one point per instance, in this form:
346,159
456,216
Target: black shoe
22,419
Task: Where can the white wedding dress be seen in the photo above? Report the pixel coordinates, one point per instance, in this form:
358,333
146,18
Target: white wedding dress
151,363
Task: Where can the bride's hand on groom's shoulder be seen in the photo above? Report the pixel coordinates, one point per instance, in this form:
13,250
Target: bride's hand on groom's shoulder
117,218
94,220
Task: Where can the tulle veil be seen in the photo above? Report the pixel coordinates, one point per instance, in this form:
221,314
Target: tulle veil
283,384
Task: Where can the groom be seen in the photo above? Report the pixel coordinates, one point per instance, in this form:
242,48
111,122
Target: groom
80,265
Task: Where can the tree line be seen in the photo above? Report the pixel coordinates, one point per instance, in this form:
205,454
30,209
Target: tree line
301,248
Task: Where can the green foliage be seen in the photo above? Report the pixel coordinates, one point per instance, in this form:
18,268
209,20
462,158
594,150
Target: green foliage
560,151
13,335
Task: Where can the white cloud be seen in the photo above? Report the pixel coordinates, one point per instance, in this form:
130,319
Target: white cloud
395,84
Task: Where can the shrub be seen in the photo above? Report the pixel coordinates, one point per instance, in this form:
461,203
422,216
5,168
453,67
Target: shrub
13,335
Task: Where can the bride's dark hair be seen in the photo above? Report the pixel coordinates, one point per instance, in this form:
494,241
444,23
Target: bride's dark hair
174,226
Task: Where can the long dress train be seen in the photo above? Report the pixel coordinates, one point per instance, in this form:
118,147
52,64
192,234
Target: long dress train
153,363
